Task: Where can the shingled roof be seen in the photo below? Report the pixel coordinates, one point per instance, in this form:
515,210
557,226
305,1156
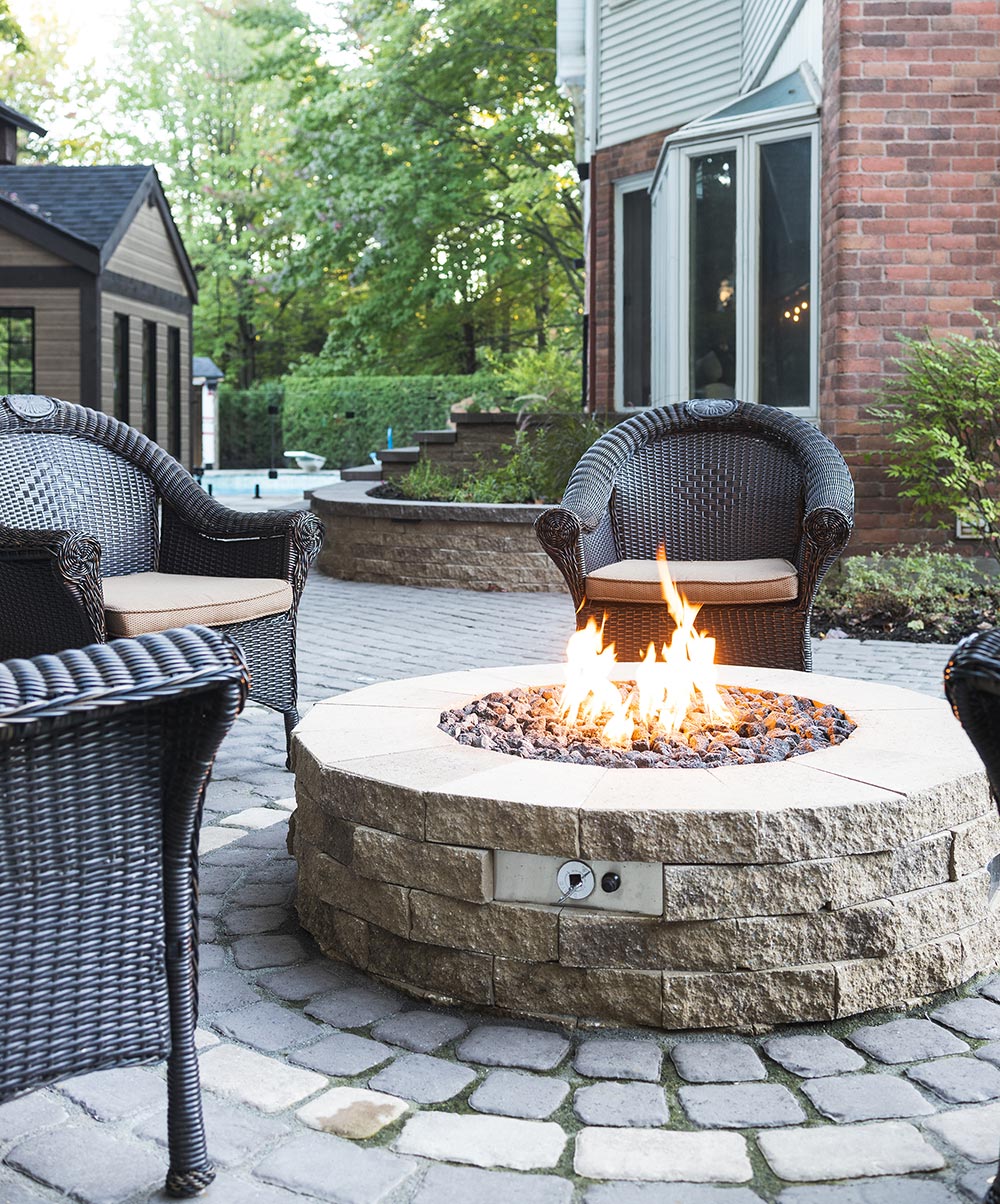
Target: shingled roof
81,213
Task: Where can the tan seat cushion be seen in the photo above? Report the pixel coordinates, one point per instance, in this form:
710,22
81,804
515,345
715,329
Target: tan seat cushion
704,581
145,602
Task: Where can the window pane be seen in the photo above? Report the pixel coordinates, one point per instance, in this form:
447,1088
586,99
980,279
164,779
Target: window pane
17,350
149,379
712,295
785,297
635,315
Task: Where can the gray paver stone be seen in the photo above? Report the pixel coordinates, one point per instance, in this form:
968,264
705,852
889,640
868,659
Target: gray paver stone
741,1105
812,1155
511,1045
717,1062
343,1054
116,1094
974,1017
313,978
465,1184
216,879
222,990
89,1163
233,1134
973,1131
245,921
623,1105
330,1168
29,1114
991,988
227,1189
275,871
877,1191
262,894
15,1190
812,1055
354,1007
853,1097
906,1041
989,1052
619,1058
211,957
423,1079
959,1080
267,1026
420,1031
668,1193
255,952
976,1182
518,1093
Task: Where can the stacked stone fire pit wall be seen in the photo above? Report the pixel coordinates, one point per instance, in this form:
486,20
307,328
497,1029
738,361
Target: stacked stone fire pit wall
442,544
813,889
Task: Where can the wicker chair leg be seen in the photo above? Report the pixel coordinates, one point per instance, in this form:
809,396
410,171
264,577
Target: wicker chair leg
190,1170
291,719
993,1192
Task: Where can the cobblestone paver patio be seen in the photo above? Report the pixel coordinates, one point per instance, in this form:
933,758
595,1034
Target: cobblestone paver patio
448,1107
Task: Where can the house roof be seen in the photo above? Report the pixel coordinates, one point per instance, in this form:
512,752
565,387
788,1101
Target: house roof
82,213
13,117
203,367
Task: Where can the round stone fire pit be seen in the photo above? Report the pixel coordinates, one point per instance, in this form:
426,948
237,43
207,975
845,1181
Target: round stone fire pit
842,880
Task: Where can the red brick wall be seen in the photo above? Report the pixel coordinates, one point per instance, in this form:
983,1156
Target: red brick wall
615,163
910,213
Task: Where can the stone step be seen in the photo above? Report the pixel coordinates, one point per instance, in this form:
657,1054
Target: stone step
399,455
363,472
445,436
484,418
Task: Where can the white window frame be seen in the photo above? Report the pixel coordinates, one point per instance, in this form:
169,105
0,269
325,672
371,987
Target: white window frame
671,249
637,183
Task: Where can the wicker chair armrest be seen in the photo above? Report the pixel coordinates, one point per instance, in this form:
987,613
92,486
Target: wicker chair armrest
50,591
219,542
560,532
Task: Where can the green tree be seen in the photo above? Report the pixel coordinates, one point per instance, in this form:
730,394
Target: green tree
209,93
439,200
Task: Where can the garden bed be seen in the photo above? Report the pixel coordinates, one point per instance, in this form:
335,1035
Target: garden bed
450,545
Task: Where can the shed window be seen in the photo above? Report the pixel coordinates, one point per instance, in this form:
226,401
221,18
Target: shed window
121,367
17,350
149,379
174,391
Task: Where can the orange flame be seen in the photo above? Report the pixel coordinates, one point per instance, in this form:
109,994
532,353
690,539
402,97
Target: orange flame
665,689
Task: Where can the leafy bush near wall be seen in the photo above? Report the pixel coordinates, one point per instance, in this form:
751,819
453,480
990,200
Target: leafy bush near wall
345,417
244,431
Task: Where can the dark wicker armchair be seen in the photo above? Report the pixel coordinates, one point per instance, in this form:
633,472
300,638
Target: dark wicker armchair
972,684
751,504
104,534
104,756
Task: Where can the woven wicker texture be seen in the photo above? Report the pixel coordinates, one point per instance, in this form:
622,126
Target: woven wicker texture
110,502
710,480
104,756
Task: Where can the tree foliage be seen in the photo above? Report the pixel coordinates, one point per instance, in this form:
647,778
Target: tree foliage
437,192
210,92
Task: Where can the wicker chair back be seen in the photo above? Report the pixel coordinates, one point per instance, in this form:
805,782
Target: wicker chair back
708,497
54,482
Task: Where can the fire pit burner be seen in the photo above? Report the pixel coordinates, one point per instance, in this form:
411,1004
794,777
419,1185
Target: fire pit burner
765,726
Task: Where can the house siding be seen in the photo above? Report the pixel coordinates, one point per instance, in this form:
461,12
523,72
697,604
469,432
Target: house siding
139,312
764,24
57,337
802,44
664,62
145,252
16,252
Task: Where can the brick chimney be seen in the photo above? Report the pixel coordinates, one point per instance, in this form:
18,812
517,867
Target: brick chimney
10,122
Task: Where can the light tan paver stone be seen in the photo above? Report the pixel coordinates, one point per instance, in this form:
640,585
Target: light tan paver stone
254,818
662,1156
522,1145
261,1082
812,1155
352,1112
214,837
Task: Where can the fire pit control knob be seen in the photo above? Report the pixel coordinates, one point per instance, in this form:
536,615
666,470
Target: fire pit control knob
575,880
611,882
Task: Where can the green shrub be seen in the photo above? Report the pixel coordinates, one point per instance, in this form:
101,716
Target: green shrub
345,417
244,428
915,587
942,419
545,380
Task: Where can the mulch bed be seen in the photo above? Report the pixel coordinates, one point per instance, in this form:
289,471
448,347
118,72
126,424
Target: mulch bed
905,627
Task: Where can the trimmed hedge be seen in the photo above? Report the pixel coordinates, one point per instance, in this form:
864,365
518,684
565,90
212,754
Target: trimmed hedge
244,430
345,417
